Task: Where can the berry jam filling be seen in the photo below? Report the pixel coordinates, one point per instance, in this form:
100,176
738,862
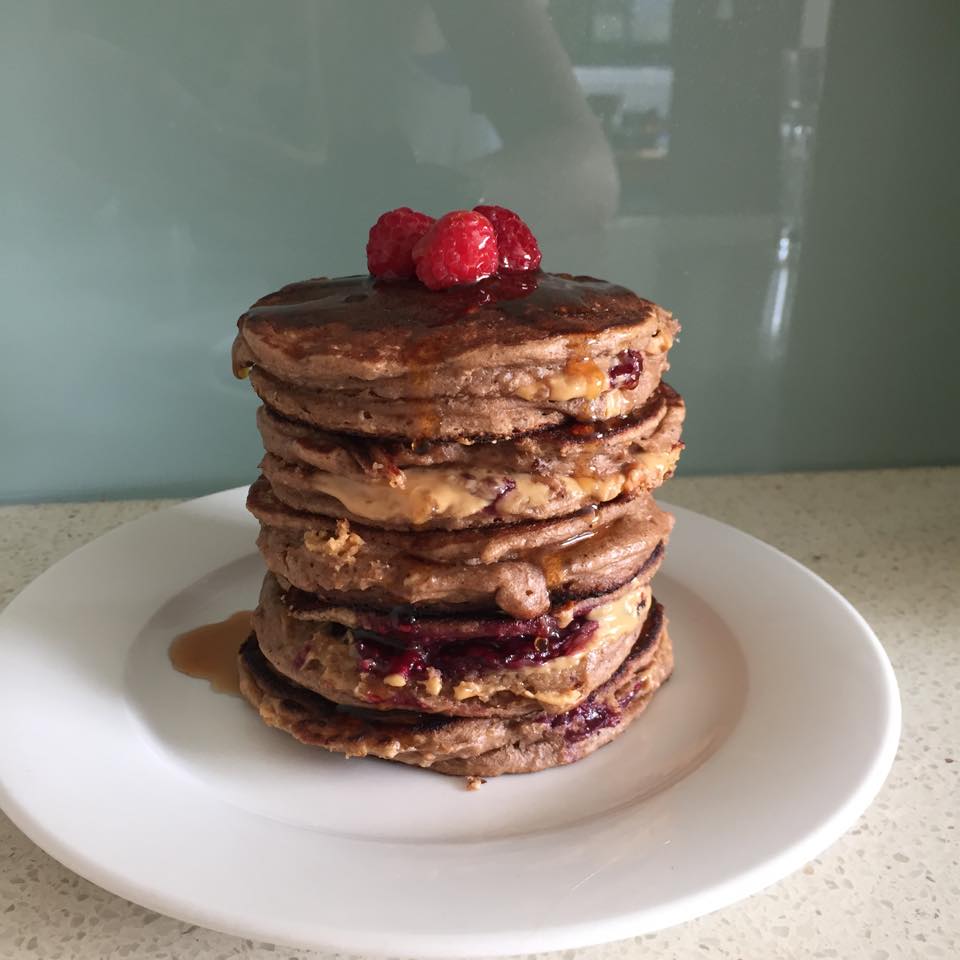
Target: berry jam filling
411,653
625,373
516,286
581,721
596,714
505,487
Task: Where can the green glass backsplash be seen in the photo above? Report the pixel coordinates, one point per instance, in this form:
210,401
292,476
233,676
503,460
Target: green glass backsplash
779,174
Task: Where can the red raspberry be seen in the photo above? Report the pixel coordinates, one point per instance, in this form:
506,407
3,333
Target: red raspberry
515,240
392,238
460,247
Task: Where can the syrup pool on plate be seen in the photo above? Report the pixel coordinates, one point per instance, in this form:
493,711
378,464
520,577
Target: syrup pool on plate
209,652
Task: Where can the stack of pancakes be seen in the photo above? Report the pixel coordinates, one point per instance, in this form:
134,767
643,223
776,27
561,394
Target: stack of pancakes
456,516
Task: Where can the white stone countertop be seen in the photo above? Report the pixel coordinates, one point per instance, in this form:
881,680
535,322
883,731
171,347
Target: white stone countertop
889,540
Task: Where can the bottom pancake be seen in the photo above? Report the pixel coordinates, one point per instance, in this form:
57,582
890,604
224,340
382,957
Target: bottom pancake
461,746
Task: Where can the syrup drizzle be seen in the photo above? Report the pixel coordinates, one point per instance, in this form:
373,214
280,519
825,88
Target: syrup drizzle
555,561
209,652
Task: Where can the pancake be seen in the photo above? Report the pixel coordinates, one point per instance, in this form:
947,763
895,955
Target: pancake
455,485
450,485
506,355
456,666
520,569
361,411
594,449
461,746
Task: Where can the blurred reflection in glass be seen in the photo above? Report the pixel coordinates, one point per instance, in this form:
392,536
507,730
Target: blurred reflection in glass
172,161
553,160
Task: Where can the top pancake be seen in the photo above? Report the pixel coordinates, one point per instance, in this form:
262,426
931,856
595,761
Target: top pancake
371,330
392,358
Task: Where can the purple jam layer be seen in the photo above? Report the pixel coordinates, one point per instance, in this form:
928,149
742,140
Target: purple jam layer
411,656
596,713
404,626
581,721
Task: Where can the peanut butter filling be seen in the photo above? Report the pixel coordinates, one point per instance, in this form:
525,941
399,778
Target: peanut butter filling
580,379
434,494
585,379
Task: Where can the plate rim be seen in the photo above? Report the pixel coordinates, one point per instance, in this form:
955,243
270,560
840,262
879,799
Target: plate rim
438,946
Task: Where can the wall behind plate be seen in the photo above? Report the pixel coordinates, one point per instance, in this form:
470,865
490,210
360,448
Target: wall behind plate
779,174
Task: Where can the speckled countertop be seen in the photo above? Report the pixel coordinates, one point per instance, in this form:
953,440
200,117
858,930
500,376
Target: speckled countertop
889,540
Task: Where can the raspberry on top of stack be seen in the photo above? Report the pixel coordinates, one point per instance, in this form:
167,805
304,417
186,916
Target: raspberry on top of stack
455,501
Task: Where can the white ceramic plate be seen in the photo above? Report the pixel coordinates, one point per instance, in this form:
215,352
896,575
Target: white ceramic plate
774,734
